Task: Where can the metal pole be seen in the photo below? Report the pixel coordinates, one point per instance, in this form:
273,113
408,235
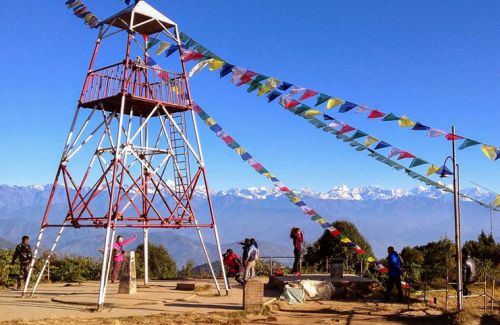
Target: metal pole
110,259
210,266
219,251
32,264
104,270
458,244
146,256
48,259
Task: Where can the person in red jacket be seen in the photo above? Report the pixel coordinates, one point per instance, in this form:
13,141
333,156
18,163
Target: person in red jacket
298,240
234,265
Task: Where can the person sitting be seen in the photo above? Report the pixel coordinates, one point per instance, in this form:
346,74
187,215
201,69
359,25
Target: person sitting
234,265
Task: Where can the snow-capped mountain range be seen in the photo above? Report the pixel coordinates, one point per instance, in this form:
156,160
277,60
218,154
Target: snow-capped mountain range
340,192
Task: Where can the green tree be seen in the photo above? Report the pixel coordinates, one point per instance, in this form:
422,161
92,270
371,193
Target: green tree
413,260
439,256
327,247
161,264
187,269
74,269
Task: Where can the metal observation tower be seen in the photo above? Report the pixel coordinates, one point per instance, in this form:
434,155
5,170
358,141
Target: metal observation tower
133,157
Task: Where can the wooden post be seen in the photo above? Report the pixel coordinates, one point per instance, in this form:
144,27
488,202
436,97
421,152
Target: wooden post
253,296
128,284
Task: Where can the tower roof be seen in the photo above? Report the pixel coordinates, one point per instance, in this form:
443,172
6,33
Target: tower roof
140,17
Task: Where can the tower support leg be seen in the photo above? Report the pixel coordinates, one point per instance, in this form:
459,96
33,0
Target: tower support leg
104,269
214,276
146,256
219,251
52,249
33,259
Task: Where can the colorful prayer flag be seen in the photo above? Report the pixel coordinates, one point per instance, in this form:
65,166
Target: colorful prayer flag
432,170
332,102
346,107
468,143
376,114
390,117
405,122
308,94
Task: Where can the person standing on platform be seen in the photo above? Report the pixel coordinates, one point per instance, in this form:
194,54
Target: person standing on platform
298,241
251,260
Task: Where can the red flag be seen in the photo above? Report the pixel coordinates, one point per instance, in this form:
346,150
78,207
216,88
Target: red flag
246,77
376,114
335,232
308,94
291,103
188,55
359,250
405,154
228,139
453,137
311,213
346,128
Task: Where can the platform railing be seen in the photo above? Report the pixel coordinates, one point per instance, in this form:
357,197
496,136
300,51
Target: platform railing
143,82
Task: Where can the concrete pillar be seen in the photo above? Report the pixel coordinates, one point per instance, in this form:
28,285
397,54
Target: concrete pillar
128,283
253,296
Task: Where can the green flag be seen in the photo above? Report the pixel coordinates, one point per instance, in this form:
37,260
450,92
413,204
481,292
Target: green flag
468,143
321,99
417,162
390,117
358,134
260,77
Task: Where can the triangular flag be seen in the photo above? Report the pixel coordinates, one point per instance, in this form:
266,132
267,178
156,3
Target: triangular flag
369,141
346,128
443,171
311,112
260,77
453,137
253,86
308,94
321,99
246,77
490,151
327,117
382,145
417,162
151,43
376,114
390,117
394,151
346,107
284,86
405,154
296,90
226,69
216,64
405,122
435,133
264,89
332,102
432,169
420,127
290,103
362,109
273,95
301,109
496,203
468,143
162,47
358,134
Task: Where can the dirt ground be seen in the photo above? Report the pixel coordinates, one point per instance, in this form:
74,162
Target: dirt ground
160,303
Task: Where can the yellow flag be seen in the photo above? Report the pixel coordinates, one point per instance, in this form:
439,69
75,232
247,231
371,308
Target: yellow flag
496,203
370,259
210,121
432,169
489,151
272,83
240,150
345,240
264,89
295,199
268,175
370,140
405,122
216,64
321,221
311,112
332,102
162,47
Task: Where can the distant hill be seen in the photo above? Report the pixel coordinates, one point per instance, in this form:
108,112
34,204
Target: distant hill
4,243
384,216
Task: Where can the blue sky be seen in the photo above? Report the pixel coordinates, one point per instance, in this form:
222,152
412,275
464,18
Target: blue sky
437,62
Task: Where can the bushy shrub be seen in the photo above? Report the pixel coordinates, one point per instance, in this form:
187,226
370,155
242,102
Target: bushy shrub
161,264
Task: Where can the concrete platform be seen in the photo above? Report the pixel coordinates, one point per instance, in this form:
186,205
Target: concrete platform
348,280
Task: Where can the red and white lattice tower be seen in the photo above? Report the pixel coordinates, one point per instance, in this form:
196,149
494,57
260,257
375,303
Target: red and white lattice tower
133,130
